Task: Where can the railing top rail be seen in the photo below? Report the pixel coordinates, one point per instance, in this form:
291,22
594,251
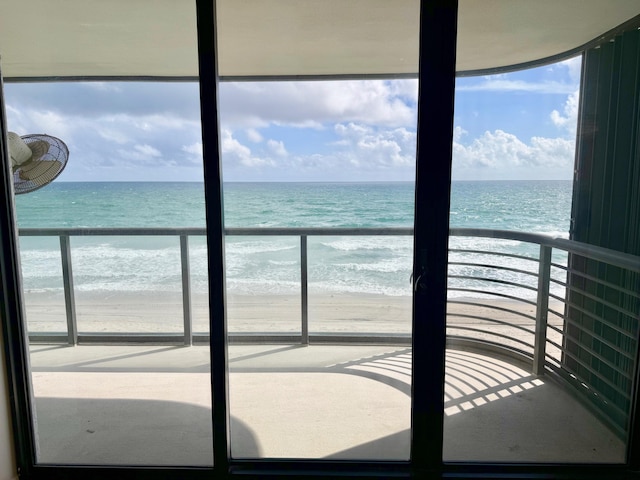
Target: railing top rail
277,231
612,257
111,231
237,231
527,237
321,231
630,262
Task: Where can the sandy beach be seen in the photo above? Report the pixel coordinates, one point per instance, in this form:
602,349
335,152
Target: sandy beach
143,312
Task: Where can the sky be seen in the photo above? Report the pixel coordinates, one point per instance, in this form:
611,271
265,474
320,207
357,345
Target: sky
514,126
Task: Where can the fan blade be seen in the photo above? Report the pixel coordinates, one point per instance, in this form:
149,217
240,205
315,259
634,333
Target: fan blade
40,170
39,148
19,151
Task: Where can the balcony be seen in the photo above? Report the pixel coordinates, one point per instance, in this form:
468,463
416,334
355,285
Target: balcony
535,339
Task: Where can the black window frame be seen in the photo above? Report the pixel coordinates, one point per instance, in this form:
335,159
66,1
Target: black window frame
436,77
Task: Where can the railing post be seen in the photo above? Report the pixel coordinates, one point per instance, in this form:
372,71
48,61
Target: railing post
186,289
542,309
69,295
304,290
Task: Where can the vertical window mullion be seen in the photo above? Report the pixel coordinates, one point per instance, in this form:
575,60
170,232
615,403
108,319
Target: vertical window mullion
438,20
13,329
207,61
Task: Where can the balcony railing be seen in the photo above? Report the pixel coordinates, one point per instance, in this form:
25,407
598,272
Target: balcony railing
556,306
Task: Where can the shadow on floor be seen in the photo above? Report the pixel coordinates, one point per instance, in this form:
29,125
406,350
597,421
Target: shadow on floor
130,432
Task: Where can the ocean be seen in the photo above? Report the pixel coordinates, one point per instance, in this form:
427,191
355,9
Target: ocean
269,265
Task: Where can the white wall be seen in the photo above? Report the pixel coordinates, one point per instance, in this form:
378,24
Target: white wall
7,460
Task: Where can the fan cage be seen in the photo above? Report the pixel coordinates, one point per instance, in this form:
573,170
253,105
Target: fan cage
34,175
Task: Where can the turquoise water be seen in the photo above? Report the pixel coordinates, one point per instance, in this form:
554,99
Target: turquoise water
257,265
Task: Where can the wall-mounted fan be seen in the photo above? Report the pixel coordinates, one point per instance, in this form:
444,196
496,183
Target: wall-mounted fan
36,160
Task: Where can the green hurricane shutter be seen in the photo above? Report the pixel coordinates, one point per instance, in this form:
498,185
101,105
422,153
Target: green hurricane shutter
601,329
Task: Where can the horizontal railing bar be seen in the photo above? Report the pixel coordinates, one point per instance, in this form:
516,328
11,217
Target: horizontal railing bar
558,282
596,374
556,297
593,353
555,329
610,257
495,267
553,363
595,394
382,338
272,338
319,231
488,320
588,332
526,237
511,351
61,338
494,334
178,339
129,338
232,231
600,339
488,252
631,335
112,231
562,349
558,266
619,259
494,280
493,294
557,345
494,307
560,315
606,303
604,283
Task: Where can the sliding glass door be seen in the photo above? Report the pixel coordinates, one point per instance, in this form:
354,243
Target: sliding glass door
250,263
318,185
112,260
312,289
317,280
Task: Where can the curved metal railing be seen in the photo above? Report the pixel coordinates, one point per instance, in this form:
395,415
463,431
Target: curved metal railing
567,307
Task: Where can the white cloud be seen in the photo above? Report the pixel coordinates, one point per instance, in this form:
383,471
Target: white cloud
114,135
378,148
254,135
49,122
139,154
277,148
194,149
109,87
500,150
569,120
147,150
458,133
573,67
234,153
553,152
372,122
314,104
499,85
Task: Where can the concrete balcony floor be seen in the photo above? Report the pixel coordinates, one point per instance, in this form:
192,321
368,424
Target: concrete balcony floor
150,405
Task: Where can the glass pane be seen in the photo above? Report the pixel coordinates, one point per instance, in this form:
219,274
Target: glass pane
319,201
532,373
134,390
319,299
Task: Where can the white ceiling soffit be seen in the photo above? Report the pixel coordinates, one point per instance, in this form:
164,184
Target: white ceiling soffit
285,38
